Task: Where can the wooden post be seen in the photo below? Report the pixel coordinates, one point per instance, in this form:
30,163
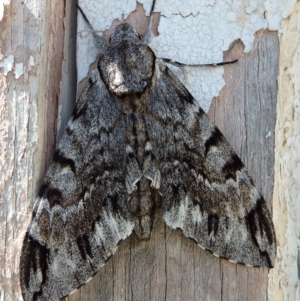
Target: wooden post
32,44
169,266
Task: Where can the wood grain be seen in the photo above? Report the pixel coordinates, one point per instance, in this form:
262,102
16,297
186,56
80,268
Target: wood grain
33,33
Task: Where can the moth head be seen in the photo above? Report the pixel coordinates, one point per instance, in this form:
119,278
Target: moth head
123,31
127,65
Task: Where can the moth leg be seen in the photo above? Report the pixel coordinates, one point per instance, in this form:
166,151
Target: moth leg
97,38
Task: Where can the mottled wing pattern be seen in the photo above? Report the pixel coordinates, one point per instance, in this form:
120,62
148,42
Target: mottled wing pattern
205,188
81,213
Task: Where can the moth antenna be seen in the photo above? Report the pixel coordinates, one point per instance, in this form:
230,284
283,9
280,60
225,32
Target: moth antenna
97,38
180,65
147,35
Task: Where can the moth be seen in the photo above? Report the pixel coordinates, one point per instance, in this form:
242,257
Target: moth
137,141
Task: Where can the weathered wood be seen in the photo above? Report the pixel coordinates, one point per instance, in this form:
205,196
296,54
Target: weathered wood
245,112
284,281
32,32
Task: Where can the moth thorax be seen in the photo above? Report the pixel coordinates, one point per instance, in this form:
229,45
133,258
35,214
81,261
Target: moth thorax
127,66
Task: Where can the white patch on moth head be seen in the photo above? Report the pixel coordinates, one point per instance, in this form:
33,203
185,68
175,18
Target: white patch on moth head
118,75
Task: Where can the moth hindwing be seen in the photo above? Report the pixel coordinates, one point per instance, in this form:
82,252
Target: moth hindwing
138,140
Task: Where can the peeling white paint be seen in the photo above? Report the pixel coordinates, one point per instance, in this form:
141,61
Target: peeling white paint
194,33
2,3
31,61
18,71
7,65
277,10
284,283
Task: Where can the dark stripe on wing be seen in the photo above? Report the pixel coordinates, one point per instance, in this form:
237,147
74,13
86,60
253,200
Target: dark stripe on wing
69,131
258,221
215,139
43,189
232,166
212,224
84,246
79,111
63,161
34,251
180,89
54,196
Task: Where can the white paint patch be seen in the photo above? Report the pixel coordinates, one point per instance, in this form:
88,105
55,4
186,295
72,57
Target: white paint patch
277,10
18,71
2,3
284,283
194,33
31,60
7,65
268,135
